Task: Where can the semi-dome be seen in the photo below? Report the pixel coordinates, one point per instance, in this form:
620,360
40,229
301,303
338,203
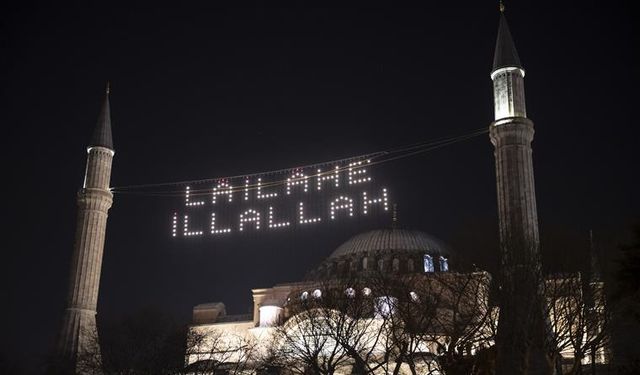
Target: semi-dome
391,240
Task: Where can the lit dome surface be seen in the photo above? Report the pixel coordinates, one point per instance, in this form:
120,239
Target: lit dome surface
391,240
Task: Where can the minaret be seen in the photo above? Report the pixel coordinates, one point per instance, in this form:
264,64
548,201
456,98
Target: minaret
520,330
79,333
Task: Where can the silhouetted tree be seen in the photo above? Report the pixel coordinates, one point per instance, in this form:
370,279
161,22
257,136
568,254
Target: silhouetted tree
211,351
145,343
422,324
626,305
578,320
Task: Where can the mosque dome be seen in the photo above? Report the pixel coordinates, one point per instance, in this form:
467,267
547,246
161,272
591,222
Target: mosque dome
393,250
391,240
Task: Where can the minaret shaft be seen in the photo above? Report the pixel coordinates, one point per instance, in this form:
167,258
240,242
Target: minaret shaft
78,338
516,192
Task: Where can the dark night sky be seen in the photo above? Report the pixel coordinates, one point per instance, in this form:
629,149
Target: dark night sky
201,92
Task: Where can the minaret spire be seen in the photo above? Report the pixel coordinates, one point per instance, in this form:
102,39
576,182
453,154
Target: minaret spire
102,133
78,340
505,54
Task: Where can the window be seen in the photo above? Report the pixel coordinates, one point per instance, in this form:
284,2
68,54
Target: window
385,306
304,296
428,263
444,264
317,293
414,296
350,292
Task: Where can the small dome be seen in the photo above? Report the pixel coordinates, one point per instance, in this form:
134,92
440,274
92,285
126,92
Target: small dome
391,240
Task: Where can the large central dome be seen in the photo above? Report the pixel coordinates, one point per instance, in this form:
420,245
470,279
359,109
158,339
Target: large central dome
391,240
385,250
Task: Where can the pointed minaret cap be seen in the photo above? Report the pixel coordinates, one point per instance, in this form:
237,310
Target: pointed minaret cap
505,54
102,133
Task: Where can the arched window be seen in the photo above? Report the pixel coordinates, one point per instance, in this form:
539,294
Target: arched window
414,296
365,263
444,264
396,265
385,306
381,264
410,265
428,263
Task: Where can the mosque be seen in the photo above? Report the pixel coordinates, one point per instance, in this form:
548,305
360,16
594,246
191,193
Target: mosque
355,280
386,301
396,274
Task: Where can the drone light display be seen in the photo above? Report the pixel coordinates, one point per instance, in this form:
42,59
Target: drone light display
301,197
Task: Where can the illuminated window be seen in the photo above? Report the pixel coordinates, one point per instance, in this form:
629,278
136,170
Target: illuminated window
304,296
428,263
385,306
350,292
444,264
317,293
366,292
414,296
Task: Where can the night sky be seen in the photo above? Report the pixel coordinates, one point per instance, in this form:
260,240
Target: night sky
200,92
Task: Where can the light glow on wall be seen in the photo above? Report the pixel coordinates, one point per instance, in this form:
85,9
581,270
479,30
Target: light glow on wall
269,316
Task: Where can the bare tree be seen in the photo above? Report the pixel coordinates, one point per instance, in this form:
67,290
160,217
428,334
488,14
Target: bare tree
145,343
441,321
332,328
426,323
211,351
578,321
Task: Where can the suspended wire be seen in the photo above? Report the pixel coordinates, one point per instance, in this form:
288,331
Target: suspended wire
374,158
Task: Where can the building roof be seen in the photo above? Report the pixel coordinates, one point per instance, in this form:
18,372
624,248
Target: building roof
102,133
505,54
391,240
